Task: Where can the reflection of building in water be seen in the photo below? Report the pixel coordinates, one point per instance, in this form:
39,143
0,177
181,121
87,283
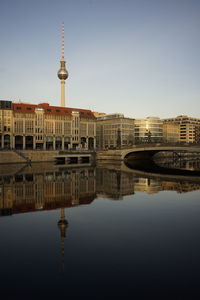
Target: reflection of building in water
180,163
46,190
155,185
32,190
180,187
114,184
147,185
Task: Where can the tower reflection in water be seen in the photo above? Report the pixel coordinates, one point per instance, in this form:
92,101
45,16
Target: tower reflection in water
62,224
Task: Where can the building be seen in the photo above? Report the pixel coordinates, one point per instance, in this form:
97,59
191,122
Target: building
188,128
45,127
114,130
170,132
149,130
99,114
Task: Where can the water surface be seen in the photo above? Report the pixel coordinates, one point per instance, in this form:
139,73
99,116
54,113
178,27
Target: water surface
123,233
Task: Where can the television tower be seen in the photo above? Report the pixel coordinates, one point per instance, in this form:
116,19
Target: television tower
62,73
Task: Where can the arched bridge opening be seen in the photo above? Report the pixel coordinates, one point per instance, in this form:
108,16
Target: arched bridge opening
147,154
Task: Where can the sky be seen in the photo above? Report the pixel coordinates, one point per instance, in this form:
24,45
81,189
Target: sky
136,57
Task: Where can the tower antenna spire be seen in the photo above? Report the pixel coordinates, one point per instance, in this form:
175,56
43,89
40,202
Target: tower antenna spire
63,41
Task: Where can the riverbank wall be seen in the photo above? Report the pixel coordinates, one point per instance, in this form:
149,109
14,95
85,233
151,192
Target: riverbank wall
32,156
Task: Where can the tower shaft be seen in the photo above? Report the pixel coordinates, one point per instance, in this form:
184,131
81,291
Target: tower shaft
62,93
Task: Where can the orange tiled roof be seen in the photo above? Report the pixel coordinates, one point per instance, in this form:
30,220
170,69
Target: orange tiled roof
57,110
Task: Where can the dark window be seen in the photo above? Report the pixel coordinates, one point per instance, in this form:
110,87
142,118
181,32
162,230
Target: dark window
48,109
29,108
57,110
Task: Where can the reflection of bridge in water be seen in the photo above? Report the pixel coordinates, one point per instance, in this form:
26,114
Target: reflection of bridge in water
147,182
47,187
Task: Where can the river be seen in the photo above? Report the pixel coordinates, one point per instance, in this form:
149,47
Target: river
101,231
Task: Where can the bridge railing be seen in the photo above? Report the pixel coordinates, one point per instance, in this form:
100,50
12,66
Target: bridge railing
148,145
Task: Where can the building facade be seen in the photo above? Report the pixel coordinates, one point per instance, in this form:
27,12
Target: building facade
170,132
149,130
114,131
45,127
188,128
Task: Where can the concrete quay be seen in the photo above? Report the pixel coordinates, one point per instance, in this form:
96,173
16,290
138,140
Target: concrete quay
32,156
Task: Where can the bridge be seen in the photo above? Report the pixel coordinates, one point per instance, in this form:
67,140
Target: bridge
144,151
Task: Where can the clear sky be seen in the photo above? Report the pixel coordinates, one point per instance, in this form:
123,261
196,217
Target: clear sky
137,57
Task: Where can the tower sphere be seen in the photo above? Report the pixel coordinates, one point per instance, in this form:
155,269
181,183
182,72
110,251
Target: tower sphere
63,224
62,72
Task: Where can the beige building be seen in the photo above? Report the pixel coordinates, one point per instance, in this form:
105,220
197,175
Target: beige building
170,132
114,130
188,128
99,114
45,127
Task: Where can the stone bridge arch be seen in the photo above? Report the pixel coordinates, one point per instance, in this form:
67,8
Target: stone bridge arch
149,151
142,151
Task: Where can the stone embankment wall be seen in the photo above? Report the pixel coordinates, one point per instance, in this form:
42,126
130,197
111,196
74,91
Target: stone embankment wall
26,156
7,157
109,155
